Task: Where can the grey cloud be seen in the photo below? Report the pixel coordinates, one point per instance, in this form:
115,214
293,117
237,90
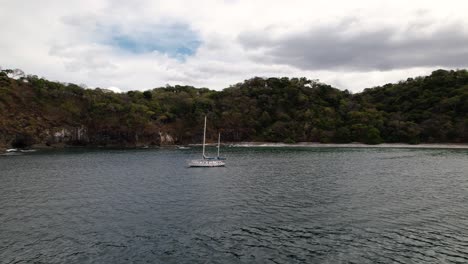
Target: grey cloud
340,47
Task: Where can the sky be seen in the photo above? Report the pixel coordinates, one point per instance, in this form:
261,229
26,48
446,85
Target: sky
143,44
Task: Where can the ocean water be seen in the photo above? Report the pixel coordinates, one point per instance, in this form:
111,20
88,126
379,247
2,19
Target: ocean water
268,205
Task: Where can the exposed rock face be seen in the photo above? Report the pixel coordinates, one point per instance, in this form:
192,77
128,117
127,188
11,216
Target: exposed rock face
165,138
84,136
69,135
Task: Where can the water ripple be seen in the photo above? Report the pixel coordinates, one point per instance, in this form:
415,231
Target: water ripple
267,206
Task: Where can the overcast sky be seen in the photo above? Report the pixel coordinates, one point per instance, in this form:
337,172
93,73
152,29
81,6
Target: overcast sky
142,44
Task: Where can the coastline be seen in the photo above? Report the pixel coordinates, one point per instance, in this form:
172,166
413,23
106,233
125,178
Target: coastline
352,145
462,146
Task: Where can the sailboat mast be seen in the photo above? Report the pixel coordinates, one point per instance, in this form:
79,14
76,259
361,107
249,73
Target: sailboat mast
204,136
219,140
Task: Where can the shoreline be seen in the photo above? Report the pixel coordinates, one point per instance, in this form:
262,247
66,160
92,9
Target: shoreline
462,146
351,145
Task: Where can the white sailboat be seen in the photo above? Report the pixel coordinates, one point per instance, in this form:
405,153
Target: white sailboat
207,161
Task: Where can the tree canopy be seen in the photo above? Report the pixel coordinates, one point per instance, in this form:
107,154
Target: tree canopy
422,109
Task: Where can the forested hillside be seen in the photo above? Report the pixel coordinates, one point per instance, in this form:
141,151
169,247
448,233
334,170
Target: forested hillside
423,109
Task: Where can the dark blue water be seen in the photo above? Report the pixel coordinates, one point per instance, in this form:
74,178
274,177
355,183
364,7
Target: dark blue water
330,205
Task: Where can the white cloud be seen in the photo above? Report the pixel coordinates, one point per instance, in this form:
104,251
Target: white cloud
61,40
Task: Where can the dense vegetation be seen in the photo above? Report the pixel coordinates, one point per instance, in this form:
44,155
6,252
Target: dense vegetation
422,109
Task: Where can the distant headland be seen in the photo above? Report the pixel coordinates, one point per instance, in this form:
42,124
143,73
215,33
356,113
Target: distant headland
38,112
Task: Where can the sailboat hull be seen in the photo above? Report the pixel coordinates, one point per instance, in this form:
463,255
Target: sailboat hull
206,163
